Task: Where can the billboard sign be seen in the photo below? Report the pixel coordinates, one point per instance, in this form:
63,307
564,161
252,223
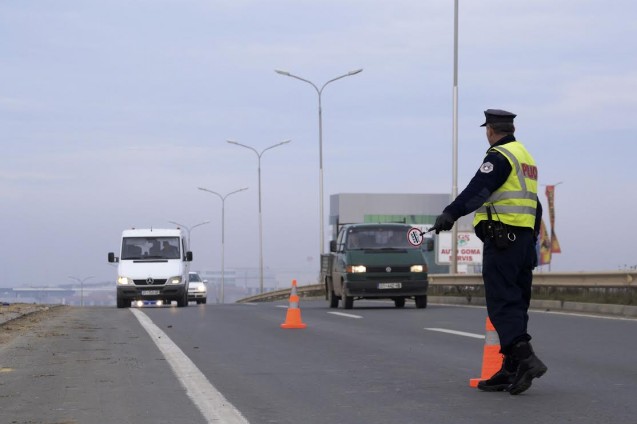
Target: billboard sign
469,249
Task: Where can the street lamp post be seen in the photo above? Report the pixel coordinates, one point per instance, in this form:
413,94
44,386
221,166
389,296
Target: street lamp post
454,166
223,214
189,229
81,281
259,154
319,91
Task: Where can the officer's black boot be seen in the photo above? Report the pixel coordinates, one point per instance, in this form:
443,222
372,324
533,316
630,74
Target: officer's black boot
502,379
529,367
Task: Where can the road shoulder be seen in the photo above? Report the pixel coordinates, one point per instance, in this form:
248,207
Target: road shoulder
87,365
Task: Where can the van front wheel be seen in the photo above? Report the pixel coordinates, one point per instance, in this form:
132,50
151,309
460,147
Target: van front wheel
331,296
348,301
421,302
121,302
183,301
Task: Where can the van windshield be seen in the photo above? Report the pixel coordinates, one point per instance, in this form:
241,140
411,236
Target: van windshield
378,238
150,248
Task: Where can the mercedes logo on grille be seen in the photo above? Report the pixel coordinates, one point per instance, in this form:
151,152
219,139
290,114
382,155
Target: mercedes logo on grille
150,281
388,269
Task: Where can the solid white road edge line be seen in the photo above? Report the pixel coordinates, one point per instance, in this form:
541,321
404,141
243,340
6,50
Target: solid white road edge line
345,315
538,310
457,333
213,405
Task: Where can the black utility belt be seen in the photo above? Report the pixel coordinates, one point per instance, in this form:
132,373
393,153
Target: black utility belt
498,231
500,234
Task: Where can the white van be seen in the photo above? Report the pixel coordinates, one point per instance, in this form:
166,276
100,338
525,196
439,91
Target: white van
153,265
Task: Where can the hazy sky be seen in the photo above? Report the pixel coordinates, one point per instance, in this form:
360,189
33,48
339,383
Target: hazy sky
113,112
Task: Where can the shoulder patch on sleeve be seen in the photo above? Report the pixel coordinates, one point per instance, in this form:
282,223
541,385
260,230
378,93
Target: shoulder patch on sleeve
486,167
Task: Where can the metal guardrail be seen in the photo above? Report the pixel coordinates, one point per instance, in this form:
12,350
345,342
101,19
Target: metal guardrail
313,290
584,280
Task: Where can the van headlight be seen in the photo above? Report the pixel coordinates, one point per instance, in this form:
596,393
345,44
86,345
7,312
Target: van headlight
355,269
124,281
175,280
417,268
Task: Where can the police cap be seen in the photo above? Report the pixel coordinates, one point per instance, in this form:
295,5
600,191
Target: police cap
498,116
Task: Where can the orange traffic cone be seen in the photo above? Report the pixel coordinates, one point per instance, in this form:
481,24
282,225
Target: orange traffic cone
491,357
293,316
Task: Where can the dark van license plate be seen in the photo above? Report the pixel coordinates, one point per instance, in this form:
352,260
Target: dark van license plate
390,285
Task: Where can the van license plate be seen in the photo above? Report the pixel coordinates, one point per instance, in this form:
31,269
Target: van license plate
390,285
149,292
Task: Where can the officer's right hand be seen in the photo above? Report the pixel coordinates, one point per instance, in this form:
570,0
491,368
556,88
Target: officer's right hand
444,222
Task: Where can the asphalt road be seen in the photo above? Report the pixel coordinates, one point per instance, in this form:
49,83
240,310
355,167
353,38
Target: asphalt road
373,364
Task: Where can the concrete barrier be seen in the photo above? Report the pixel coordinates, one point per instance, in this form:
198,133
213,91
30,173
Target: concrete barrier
554,279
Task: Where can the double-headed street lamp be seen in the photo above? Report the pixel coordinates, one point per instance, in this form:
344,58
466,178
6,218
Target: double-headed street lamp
223,214
259,154
319,91
81,281
189,229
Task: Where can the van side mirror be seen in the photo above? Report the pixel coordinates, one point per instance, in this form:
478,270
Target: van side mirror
189,256
332,245
112,258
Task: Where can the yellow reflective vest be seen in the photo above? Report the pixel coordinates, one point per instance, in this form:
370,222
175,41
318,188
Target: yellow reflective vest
515,202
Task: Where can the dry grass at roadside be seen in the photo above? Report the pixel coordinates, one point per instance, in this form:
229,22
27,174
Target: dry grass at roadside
18,318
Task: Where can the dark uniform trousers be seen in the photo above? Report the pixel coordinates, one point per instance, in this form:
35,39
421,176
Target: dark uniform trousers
507,275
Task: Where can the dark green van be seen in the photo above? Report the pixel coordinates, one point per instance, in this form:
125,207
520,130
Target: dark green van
374,261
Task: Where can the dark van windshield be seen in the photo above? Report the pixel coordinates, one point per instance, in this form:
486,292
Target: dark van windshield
378,237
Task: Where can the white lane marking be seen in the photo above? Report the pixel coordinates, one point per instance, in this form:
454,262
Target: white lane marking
457,333
345,315
213,405
281,306
249,303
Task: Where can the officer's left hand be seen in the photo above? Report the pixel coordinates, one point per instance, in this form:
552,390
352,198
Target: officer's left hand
444,222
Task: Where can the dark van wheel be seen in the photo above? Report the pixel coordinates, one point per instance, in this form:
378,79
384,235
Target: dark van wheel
332,298
421,302
348,302
399,302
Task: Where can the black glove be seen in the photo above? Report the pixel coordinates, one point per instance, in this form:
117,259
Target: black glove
444,222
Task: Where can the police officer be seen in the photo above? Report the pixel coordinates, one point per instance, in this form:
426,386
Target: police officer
503,193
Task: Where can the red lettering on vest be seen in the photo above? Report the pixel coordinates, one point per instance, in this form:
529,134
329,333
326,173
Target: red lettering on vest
529,171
